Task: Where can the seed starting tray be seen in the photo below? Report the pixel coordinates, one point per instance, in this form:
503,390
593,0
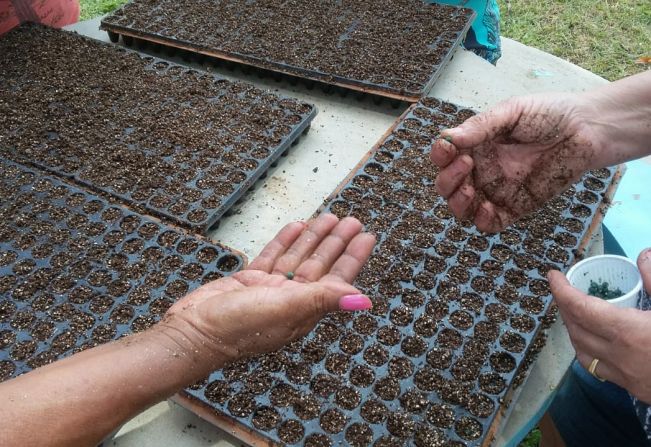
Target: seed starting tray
390,48
455,313
77,271
172,142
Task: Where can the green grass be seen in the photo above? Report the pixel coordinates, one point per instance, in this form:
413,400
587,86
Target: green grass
94,8
604,36
532,439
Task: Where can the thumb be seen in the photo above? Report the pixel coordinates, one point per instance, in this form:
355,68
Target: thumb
485,126
328,297
644,265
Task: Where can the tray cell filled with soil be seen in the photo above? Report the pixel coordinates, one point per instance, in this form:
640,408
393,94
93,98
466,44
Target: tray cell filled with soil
390,48
175,143
72,276
455,314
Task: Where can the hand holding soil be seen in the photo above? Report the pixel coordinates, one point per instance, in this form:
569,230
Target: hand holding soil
259,309
501,165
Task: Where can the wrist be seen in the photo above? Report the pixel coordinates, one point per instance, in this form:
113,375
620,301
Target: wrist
618,114
196,354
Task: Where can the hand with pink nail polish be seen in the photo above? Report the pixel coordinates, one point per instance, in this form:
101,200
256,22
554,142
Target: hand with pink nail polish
260,309
304,273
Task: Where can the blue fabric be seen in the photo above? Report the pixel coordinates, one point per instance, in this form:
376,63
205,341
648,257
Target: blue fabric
588,412
484,36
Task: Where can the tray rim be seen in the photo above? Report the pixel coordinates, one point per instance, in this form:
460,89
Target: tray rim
301,73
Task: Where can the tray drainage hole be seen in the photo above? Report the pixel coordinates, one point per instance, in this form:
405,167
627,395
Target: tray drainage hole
374,169
502,362
291,431
332,421
340,208
359,435
480,405
468,428
265,418
228,263
594,184
317,440
491,383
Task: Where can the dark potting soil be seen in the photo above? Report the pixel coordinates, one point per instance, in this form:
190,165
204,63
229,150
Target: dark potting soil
88,287
177,143
455,312
392,46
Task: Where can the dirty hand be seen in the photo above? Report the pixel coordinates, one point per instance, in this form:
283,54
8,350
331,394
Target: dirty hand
619,338
503,164
259,309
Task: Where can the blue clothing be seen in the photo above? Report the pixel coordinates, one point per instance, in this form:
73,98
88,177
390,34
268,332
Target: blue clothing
588,412
484,35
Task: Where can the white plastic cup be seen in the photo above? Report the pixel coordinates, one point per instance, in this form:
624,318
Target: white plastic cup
619,272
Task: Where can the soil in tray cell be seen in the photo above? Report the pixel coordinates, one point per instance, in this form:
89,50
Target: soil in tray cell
452,322
170,141
87,287
408,40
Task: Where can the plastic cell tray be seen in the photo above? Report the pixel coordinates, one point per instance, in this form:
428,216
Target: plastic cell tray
395,49
455,313
77,271
175,143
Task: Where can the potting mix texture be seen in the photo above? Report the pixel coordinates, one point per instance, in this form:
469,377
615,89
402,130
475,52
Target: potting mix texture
77,271
170,141
455,312
394,46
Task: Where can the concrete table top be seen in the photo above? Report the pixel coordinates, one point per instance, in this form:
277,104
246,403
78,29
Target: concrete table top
343,131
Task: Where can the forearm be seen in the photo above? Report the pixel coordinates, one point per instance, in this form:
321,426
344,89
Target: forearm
621,111
82,399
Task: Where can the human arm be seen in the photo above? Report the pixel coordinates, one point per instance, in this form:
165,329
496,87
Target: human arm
619,338
81,399
503,164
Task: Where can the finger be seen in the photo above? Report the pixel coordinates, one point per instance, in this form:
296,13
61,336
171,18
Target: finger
644,265
450,178
595,314
319,299
491,219
442,153
349,264
603,369
585,340
328,251
485,126
306,243
277,247
461,202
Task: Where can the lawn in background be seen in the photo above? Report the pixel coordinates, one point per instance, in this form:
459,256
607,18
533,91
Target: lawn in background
94,8
605,36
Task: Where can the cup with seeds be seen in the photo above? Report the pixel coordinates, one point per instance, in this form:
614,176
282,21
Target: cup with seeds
613,278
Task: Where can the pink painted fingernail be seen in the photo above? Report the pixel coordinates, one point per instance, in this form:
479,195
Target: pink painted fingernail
355,302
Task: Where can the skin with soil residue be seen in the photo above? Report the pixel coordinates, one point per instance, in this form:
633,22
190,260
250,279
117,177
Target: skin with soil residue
504,164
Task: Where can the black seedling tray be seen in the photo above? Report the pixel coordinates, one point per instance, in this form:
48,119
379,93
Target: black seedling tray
176,143
455,313
77,271
300,40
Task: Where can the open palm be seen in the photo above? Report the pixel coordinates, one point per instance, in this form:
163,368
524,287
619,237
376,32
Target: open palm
259,309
